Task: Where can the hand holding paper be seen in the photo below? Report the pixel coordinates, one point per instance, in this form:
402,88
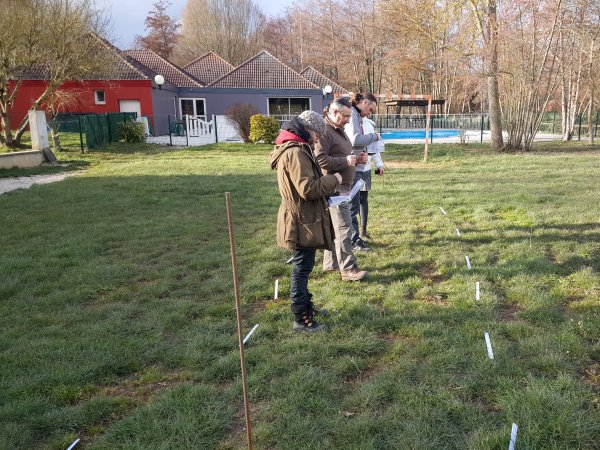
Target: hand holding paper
339,199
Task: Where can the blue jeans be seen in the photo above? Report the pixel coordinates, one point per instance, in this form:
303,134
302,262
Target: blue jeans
355,209
303,261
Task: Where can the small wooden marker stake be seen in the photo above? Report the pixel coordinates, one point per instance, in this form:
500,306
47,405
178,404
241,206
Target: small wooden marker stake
443,212
468,262
513,437
477,291
488,343
276,288
72,446
239,317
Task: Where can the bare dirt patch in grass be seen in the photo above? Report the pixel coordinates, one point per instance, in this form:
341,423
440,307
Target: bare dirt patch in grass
431,274
237,434
140,391
592,377
508,312
436,299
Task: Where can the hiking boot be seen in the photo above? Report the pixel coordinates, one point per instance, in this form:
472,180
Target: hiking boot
308,324
360,246
319,312
354,274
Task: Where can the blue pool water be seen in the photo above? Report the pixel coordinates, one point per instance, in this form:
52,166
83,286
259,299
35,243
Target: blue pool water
418,134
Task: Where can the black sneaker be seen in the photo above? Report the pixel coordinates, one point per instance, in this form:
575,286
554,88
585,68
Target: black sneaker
360,246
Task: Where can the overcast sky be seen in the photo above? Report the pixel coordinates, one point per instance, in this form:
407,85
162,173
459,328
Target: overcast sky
127,16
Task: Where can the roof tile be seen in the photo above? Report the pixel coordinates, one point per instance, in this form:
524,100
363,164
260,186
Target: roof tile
321,80
122,69
167,69
208,68
263,71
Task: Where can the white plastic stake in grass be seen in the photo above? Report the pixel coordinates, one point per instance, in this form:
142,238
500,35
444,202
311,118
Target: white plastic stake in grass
458,232
276,288
443,212
289,260
72,446
468,262
489,345
250,334
477,291
513,437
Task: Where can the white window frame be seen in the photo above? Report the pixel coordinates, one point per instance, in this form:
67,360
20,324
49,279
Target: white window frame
96,100
194,99
288,97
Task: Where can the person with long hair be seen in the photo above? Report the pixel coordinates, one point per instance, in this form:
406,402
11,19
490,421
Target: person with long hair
374,151
363,105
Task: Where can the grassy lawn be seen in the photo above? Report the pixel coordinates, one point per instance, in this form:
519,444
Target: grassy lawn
117,315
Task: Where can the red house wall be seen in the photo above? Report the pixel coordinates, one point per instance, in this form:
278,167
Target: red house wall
84,96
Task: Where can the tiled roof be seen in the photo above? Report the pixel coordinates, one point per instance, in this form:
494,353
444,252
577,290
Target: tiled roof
208,68
321,80
159,65
263,71
121,70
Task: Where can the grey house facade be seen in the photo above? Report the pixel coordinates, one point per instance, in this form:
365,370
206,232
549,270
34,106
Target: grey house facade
263,81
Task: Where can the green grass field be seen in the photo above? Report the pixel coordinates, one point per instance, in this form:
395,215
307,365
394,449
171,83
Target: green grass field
117,312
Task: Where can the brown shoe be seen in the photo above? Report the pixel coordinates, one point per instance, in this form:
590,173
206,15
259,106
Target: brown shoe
354,274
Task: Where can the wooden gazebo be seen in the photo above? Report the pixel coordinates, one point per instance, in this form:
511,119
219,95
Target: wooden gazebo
399,103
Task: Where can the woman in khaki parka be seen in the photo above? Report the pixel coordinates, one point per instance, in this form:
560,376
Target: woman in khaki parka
303,221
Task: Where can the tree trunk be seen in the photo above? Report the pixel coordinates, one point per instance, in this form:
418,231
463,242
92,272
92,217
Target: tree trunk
6,97
492,79
591,104
56,138
6,138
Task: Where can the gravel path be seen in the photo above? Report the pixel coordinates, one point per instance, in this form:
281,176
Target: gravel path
12,184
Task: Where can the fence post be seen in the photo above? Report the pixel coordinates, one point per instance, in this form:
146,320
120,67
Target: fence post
80,134
580,117
216,130
431,130
596,125
553,121
170,138
109,130
482,119
187,137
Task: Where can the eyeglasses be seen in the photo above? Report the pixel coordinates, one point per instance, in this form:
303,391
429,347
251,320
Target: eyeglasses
346,116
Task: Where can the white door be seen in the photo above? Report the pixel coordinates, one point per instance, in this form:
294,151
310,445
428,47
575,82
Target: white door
130,106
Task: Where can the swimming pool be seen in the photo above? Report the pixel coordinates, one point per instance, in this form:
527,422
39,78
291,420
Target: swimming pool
418,134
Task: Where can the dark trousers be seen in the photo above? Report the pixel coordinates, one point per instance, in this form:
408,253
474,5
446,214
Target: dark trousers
303,261
364,211
355,209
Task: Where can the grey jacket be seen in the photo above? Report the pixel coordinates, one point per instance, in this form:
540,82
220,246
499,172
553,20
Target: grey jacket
358,138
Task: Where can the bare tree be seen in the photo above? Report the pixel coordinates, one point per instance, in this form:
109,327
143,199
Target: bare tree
590,32
231,28
531,76
20,46
162,31
239,115
62,37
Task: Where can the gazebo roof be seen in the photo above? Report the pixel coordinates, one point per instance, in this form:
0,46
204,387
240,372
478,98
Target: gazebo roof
414,102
